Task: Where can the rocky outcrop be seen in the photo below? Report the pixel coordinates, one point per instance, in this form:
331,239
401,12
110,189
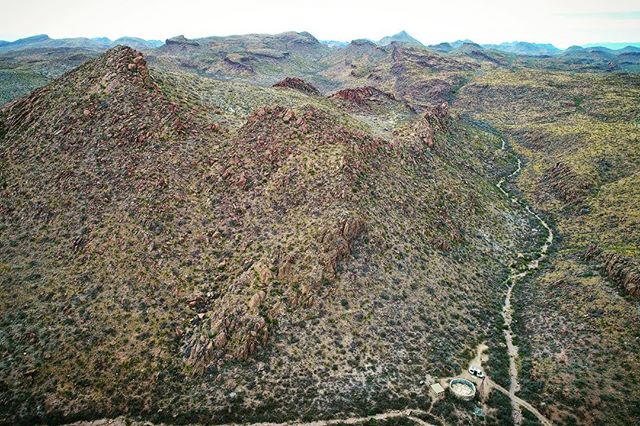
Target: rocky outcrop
339,244
362,95
235,329
236,325
438,116
618,269
435,118
623,273
266,53
298,84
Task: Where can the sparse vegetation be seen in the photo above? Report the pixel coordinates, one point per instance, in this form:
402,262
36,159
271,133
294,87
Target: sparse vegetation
182,248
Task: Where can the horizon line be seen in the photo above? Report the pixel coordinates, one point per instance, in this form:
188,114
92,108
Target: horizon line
587,44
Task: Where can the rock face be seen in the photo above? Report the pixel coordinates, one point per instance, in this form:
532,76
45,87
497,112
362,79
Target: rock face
299,85
623,273
339,244
433,119
438,115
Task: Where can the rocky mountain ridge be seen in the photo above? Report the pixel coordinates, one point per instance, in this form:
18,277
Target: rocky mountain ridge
228,229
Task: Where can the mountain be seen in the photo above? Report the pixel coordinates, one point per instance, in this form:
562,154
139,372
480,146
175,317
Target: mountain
458,43
613,46
30,40
443,47
44,41
468,45
525,48
169,202
136,43
103,40
98,43
334,43
481,55
223,230
607,50
401,37
589,56
629,49
516,47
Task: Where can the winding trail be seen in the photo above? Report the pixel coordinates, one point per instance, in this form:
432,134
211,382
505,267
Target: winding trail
542,419
516,274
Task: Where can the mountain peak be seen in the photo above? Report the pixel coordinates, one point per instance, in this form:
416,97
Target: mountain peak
29,40
401,37
303,37
181,40
38,37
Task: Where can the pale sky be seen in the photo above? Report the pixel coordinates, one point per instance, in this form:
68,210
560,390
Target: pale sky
561,22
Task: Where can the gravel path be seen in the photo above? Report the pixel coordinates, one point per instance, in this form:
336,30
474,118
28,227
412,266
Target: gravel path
542,419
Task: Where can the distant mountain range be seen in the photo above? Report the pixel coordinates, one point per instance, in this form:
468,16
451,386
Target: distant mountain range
515,47
98,43
524,48
538,49
613,46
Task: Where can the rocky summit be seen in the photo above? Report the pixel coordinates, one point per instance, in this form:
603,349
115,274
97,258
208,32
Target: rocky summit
273,229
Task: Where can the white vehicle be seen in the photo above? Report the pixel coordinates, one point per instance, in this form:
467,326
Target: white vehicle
476,371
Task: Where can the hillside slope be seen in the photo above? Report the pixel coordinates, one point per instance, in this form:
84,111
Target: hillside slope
186,249
579,321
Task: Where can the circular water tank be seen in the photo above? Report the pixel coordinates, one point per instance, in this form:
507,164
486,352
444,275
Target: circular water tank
462,389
